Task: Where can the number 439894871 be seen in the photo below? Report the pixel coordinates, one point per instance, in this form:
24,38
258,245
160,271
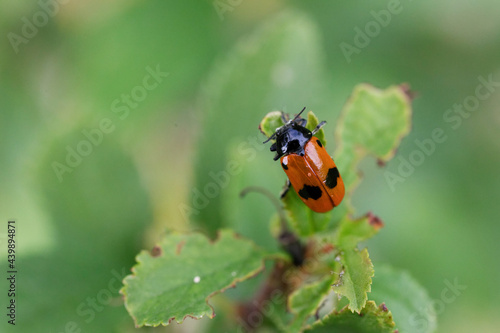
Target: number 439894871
11,256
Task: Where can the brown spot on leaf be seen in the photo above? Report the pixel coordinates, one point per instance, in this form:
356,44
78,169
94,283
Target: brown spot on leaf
156,251
179,247
405,87
260,129
374,221
383,307
327,248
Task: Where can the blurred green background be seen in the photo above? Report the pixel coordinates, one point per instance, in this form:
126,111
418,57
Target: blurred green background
83,69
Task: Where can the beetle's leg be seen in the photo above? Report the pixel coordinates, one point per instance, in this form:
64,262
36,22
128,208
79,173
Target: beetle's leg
273,147
286,188
318,127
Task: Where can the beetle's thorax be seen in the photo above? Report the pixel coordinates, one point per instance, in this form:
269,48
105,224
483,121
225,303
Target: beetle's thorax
291,139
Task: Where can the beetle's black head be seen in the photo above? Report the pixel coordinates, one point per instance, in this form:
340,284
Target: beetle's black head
291,138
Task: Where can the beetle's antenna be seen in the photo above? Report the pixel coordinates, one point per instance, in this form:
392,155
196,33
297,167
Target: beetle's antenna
270,138
298,115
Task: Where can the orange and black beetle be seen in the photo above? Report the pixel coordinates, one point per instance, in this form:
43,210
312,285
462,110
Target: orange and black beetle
311,171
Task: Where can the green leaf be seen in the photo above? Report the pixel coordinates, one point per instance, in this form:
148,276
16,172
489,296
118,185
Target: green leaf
371,319
355,278
411,305
350,233
312,122
188,271
373,122
270,123
306,300
277,67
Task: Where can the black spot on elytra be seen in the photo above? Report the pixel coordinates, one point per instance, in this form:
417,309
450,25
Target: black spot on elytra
319,143
331,177
313,192
285,167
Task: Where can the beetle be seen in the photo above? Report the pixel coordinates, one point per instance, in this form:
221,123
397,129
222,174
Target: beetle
311,171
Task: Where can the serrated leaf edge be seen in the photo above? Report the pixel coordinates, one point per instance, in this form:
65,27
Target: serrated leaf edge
365,256
361,153
123,290
371,304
